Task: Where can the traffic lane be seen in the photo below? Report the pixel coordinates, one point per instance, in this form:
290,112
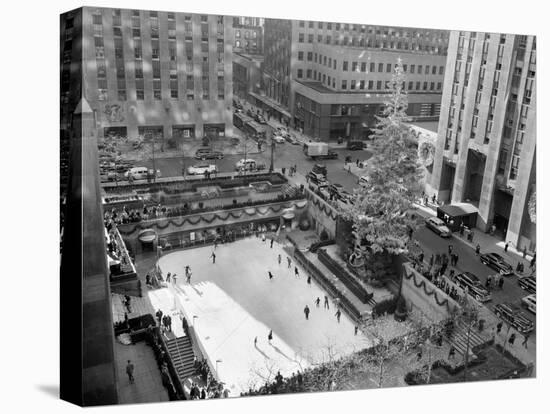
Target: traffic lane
432,243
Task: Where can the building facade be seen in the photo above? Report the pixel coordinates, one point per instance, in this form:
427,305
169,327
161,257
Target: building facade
155,73
486,146
334,77
248,35
246,75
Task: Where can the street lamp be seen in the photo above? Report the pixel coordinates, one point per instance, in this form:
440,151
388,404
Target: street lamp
194,317
220,361
272,149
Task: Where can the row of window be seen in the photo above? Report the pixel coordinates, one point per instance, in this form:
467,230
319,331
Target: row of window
157,94
364,84
372,43
362,66
375,30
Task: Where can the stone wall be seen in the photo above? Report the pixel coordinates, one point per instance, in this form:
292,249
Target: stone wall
322,214
425,296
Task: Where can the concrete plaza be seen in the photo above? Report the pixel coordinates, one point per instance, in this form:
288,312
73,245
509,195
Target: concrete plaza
234,301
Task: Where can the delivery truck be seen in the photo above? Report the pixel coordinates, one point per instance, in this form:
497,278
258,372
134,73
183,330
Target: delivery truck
319,151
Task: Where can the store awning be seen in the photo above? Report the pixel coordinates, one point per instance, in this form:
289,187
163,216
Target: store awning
458,209
271,104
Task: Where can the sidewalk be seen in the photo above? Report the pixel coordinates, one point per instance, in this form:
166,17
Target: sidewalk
487,243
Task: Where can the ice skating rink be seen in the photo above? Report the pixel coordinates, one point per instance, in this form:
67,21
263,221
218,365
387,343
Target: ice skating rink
234,301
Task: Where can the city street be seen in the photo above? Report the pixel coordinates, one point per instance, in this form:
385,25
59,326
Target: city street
468,261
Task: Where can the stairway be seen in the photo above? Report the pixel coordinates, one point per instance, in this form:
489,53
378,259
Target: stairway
459,339
182,355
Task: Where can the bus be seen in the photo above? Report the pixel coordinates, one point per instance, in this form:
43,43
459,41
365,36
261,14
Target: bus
255,130
239,119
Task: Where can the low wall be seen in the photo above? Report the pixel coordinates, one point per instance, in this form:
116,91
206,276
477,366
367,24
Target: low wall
195,222
424,295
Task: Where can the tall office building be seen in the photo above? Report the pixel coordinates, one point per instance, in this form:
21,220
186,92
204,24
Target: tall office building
332,78
248,35
485,153
154,73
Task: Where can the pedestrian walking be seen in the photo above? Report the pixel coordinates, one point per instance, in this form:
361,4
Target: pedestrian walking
478,248
524,251
326,305
188,277
169,323
263,237
451,274
215,243
488,283
168,277
433,199
306,312
450,248
512,339
431,260
338,314
271,244
296,271
506,246
525,339
130,371
462,229
437,259
317,301
357,162
270,274
270,336
174,278
213,256
456,259
452,352
533,261
500,282
289,262
256,341
309,279
499,327
279,259
355,330
421,257
159,316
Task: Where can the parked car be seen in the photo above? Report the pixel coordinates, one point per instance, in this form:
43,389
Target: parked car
208,154
260,119
316,181
248,164
320,169
472,285
279,139
511,314
344,196
137,173
292,139
529,302
200,169
497,262
528,283
335,188
355,145
438,226
363,181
